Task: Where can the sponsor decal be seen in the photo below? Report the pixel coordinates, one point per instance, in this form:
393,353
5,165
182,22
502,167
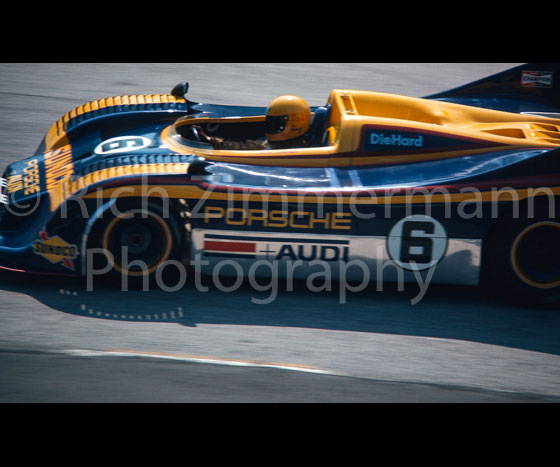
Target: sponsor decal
31,180
278,249
58,165
122,144
536,79
417,242
14,183
28,180
387,139
395,139
55,249
278,218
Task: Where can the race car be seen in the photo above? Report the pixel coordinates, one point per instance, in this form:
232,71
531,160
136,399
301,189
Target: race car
460,187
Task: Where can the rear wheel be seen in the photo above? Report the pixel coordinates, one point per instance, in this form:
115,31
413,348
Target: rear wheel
522,260
535,255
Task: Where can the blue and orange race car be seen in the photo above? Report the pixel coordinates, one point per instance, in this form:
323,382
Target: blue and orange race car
461,187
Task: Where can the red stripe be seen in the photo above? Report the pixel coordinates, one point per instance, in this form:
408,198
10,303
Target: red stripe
39,273
230,246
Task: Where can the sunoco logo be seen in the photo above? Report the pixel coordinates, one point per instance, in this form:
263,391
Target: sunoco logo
55,249
381,139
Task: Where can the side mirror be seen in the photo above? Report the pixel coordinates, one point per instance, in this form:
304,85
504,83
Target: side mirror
180,90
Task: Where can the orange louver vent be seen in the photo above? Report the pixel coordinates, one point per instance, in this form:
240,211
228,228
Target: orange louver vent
109,105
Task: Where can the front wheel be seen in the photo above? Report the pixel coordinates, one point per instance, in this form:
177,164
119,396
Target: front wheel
132,243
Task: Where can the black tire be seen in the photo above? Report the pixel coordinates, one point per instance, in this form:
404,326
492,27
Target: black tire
133,241
521,261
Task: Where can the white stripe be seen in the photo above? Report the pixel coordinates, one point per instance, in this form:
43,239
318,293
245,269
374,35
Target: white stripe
196,359
331,173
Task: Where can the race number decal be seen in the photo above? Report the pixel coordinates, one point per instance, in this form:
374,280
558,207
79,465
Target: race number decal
122,144
417,242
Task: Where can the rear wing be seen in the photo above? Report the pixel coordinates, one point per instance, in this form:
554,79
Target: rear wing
530,88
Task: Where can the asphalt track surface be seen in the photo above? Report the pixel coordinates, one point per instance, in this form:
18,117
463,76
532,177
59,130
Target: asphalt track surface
60,342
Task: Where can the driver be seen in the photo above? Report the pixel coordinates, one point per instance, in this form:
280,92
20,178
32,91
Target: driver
287,120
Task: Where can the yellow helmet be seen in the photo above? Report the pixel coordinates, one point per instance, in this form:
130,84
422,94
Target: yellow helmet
287,117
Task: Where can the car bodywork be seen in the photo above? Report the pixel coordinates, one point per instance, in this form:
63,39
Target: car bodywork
420,184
